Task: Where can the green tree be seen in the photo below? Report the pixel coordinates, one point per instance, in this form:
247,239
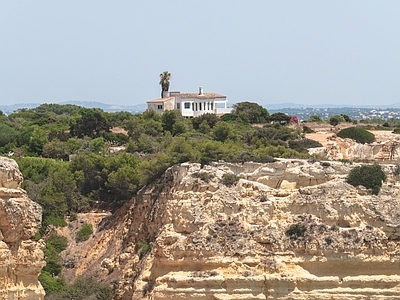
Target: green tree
336,119
37,140
222,131
315,119
8,137
122,176
346,118
90,122
164,82
169,120
209,119
88,171
55,149
250,112
279,117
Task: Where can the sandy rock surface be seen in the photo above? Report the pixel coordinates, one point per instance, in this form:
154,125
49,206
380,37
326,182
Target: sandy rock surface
293,229
20,218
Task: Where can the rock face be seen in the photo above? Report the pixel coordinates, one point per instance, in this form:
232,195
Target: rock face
20,218
338,148
287,230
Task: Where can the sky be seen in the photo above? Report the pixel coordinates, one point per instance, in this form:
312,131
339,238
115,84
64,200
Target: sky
269,52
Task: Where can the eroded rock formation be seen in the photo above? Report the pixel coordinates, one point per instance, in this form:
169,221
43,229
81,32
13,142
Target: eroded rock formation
338,148
287,230
20,218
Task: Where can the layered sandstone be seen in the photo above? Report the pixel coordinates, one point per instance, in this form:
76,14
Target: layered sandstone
20,218
337,148
292,229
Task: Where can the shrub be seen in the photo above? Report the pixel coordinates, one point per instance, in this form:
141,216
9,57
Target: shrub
304,144
369,176
53,220
84,288
206,177
49,283
229,179
58,242
296,230
84,233
144,247
360,135
307,129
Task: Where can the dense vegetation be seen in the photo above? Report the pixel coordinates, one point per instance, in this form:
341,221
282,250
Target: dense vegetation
64,150
66,154
83,288
369,176
359,134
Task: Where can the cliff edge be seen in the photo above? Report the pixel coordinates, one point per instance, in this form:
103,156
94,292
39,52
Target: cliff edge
21,259
292,229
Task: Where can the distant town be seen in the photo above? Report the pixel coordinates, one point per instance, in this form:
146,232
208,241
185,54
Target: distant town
355,113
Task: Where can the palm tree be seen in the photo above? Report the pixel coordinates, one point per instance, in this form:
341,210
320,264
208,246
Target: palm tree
164,82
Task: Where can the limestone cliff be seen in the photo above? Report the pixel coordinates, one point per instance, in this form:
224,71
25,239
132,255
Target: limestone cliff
287,230
337,148
20,218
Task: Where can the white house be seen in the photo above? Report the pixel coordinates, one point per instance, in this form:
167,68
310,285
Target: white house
191,104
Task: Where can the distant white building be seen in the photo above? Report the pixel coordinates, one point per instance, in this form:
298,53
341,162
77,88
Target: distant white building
191,104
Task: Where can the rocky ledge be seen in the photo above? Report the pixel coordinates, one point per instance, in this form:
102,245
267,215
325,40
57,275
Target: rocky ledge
20,218
292,229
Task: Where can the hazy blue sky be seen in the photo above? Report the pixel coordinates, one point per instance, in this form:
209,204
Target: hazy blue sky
309,52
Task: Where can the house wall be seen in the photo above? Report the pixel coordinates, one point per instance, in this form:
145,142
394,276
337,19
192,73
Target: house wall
197,107
166,105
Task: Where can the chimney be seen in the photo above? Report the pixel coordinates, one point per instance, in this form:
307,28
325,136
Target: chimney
201,91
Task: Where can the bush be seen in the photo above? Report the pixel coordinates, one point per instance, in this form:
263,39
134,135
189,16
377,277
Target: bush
304,144
58,242
307,129
206,177
296,230
360,135
250,112
144,247
229,179
84,233
53,220
49,283
369,176
82,289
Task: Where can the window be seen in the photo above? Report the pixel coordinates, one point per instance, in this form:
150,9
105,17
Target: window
159,106
212,105
178,106
187,105
200,106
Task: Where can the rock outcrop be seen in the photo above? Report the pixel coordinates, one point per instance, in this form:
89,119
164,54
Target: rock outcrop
20,218
338,148
292,229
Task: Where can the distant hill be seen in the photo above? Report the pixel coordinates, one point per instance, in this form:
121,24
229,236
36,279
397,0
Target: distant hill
8,109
